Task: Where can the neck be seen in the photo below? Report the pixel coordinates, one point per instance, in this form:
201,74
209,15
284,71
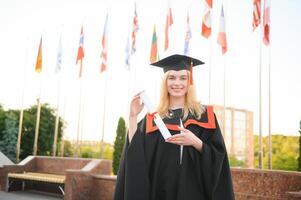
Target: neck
176,102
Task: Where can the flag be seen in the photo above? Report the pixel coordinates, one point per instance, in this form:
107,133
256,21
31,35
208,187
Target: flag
154,47
104,53
169,22
38,67
187,37
222,39
256,14
127,53
59,56
134,32
266,22
206,23
80,52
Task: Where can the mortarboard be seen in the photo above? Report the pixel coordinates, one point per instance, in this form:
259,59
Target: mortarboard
178,62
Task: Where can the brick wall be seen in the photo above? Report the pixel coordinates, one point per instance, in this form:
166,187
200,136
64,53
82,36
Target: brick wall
249,184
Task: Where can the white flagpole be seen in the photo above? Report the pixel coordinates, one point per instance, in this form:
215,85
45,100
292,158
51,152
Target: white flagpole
270,110
270,134
64,117
79,115
103,117
56,120
260,153
35,146
210,68
224,103
22,110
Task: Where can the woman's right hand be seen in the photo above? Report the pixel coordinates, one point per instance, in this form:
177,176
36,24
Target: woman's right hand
136,106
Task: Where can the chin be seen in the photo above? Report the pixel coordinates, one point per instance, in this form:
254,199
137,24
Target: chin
177,94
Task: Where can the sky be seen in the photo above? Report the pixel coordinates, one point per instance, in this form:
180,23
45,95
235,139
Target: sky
24,22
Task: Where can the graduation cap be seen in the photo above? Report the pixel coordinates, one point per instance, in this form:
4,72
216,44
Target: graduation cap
178,62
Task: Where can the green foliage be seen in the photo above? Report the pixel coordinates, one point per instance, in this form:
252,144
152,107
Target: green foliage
10,134
118,144
234,162
89,150
299,159
107,152
2,122
68,149
284,152
46,131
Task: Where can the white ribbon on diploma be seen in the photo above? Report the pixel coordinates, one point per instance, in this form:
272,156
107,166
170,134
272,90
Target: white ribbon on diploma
158,120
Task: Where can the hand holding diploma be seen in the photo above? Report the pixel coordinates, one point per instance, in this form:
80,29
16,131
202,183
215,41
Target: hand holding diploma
158,120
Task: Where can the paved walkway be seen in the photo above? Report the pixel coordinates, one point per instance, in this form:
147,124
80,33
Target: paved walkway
19,195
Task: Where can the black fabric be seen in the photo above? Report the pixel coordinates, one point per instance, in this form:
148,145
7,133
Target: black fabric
177,62
150,168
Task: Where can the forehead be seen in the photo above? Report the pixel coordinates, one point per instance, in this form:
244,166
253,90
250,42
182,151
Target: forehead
177,73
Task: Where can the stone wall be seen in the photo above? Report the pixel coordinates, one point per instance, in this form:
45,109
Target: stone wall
249,184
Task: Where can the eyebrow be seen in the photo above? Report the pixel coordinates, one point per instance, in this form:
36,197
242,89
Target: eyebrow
183,75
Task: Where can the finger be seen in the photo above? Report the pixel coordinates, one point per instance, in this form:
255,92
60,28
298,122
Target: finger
138,94
182,129
177,136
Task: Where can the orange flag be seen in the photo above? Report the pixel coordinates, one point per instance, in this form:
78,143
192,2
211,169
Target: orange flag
206,24
38,67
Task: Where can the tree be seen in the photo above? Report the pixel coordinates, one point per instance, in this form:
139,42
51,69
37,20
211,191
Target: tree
118,144
2,121
299,159
10,134
46,131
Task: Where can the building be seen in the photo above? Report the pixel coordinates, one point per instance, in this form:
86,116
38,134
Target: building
237,129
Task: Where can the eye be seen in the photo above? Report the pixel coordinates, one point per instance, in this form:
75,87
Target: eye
171,77
183,78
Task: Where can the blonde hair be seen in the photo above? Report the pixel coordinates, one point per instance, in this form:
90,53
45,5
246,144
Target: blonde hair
191,104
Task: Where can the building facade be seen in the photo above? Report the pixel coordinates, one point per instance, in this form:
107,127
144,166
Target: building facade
237,129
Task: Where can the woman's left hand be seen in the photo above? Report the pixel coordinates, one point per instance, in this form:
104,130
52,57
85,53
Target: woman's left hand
186,138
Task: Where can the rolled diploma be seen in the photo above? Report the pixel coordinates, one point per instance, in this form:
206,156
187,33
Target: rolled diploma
158,120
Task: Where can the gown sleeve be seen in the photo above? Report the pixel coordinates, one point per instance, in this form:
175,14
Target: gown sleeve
213,165
132,180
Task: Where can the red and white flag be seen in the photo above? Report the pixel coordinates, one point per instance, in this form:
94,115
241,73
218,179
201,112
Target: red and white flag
134,32
206,23
104,53
266,22
80,52
256,14
222,39
169,22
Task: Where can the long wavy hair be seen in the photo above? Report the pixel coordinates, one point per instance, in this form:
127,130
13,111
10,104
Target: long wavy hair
191,104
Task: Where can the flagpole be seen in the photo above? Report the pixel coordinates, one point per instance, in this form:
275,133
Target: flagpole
260,153
270,110
56,120
63,134
22,110
79,112
210,68
103,117
224,103
269,139
35,146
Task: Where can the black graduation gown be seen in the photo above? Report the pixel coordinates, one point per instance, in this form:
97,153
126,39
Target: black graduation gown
150,168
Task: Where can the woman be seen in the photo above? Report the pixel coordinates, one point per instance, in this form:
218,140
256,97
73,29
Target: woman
192,165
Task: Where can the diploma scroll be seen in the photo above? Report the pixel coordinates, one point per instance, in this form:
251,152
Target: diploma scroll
158,120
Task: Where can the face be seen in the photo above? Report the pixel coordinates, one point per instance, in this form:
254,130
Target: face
177,83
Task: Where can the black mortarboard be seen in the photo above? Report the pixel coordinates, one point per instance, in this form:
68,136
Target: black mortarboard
178,62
